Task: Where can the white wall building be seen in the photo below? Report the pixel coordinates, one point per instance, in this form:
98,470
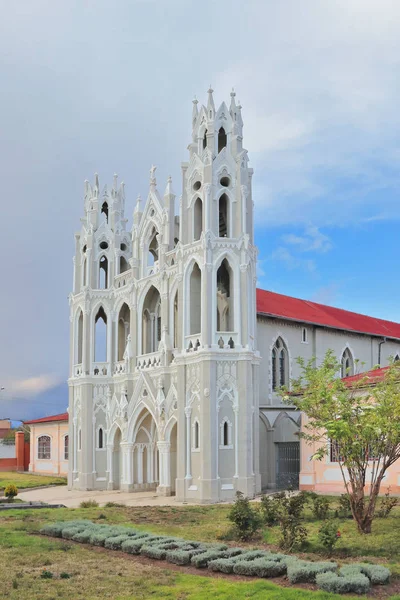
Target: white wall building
166,390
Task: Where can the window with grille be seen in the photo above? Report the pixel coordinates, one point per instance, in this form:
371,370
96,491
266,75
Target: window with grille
66,447
44,447
279,365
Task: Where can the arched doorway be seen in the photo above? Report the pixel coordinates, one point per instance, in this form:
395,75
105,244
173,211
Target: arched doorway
144,453
117,460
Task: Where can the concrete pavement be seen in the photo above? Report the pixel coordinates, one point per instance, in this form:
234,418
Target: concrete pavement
72,498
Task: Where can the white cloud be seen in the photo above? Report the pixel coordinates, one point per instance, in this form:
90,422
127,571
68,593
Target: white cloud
313,240
291,262
33,385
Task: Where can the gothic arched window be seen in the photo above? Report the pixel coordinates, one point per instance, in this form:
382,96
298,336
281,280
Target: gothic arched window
44,447
221,139
396,358
197,219
100,336
195,300
101,438
123,264
280,364
224,298
205,139
151,321
104,210
124,319
79,339
103,273
347,364
196,435
223,216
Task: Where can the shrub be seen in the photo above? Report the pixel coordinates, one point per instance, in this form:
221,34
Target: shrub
387,505
133,545
320,507
113,505
83,537
355,583
156,552
11,491
69,532
114,543
65,575
260,567
329,535
300,571
293,533
268,507
46,574
224,565
201,560
89,503
287,510
377,574
344,506
244,517
53,529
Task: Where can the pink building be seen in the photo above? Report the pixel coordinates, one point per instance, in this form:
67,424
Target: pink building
49,445
324,475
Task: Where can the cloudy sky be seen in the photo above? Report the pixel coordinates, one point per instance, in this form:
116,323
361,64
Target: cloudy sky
107,86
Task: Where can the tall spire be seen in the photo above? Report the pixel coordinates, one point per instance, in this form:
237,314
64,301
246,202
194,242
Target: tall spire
153,181
210,103
195,112
232,108
168,189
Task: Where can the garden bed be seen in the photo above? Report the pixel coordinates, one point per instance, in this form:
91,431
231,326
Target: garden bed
219,558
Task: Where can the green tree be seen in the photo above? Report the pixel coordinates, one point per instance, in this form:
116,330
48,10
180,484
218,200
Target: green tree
363,420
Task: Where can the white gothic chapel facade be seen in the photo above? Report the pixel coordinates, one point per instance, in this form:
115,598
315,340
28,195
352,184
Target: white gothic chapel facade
168,333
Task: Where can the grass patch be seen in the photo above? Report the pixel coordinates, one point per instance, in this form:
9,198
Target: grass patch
28,480
101,574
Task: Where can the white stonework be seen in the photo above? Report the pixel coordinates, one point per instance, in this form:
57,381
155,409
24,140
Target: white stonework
171,395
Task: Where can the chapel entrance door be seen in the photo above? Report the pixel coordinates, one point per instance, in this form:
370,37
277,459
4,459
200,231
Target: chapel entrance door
287,465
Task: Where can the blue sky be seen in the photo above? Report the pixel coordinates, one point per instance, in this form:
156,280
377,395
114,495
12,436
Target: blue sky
107,86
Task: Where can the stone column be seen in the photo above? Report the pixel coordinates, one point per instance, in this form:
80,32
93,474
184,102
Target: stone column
188,413
110,452
164,488
127,467
140,463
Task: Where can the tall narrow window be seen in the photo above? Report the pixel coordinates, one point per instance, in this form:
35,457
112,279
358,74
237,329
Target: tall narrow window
195,300
223,216
304,335
197,219
226,434
196,436
176,321
205,139
280,366
79,333
101,438
221,139
66,447
224,298
103,273
104,210
100,348
153,248
347,364
124,319
44,447
151,321
84,278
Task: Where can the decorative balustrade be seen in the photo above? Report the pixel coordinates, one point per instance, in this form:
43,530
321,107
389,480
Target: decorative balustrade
193,342
120,367
122,279
226,340
78,370
149,361
101,369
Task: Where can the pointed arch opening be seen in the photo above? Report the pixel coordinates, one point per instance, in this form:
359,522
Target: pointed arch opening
176,320
205,139
195,300
104,210
100,439
84,274
123,264
222,139
151,321
224,297
280,364
117,460
152,256
223,205
197,219
100,337
103,273
124,320
79,339
347,361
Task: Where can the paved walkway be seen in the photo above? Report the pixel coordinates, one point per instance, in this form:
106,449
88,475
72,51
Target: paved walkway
72,498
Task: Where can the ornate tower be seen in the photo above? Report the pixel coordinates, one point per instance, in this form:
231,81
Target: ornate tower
164,369
217,368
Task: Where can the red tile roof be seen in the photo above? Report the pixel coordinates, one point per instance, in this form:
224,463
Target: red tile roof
370,376
61,417
286,307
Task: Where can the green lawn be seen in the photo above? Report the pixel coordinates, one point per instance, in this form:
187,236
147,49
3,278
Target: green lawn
98,573
28,480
